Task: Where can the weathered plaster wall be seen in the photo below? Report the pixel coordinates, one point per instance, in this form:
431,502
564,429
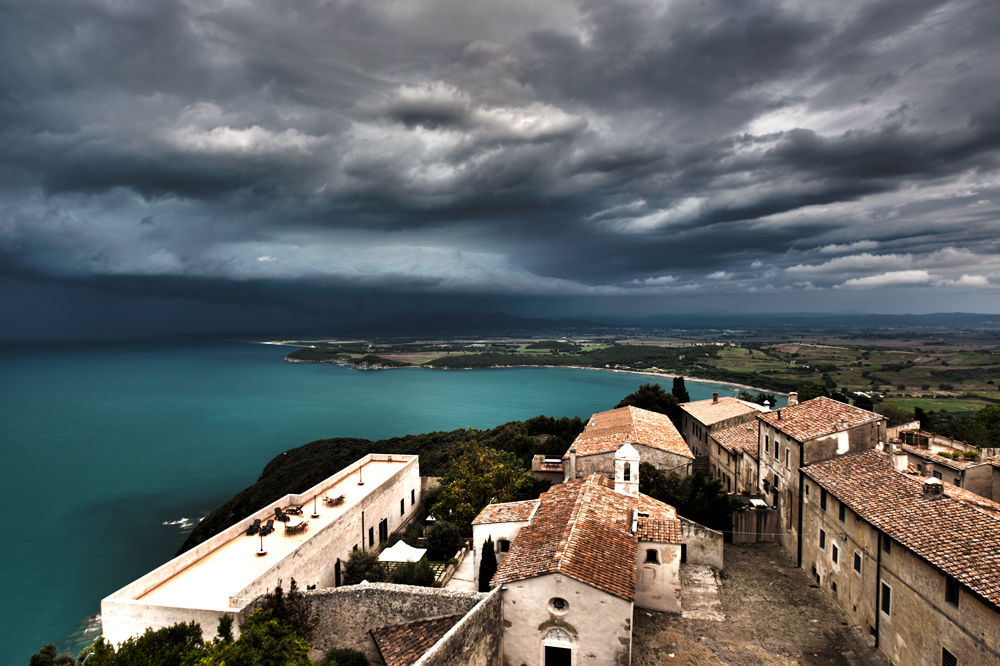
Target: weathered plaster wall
497,531
599,624
746,478
756,526
347,614
859,438
984,480
658,585
477,640
704,546
919,622
604,463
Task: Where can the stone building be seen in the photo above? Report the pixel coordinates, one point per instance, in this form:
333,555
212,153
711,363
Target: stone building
984,479
592,550
653,436
224,574
913,561
793,437
736,452
701,419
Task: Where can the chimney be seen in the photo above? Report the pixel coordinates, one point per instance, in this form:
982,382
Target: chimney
841,425
933,489
571,468
779,414
900,462
767,405
715,398
793,399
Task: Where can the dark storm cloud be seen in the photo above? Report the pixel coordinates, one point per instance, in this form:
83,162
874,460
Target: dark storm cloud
239,152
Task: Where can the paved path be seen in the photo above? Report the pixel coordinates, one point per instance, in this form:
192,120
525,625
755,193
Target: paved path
700,593
464,579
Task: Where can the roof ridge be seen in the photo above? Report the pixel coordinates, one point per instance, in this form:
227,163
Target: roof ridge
575,520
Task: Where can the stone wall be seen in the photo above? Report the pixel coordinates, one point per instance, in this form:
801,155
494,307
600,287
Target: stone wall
756,526
348,614
477,639
703,546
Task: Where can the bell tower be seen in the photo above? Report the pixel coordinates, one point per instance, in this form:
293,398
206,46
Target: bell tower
627,470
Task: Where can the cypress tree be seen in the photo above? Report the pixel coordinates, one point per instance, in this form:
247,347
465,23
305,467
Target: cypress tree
487,566
680,391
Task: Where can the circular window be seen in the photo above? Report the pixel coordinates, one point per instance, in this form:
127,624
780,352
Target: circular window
558,605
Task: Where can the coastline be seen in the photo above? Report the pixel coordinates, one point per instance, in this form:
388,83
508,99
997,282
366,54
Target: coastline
365,367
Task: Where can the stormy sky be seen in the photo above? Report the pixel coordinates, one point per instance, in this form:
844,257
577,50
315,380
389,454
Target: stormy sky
226,164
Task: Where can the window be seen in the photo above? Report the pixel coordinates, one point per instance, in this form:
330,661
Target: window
834,553
957,483
857,562
948,659
767,444
886,599
786,458
413,497
371,537
937,475
627,472
815,574
822,539
504,545
833,588
777,450
807,490
822,499
886,544
843,512
951,588
651,557
402,506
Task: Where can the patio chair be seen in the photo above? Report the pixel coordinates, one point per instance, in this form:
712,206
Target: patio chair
253,529
268,528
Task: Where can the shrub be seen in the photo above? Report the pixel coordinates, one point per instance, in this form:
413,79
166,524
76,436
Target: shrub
487,565
364,565
342,657
443,540
414,573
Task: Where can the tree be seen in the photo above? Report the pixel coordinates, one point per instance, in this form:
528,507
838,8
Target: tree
896,415
364,565
291,609
920,415
989,418
264,641
414,573
443,540
49,656
679,391
810,391
478,477
487,565
651,397
695,497
179,645
343,657
759,399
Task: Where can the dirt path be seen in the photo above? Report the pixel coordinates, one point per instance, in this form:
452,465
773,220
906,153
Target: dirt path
773,617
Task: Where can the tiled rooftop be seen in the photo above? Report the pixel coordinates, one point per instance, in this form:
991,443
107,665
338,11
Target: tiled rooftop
817,417
510,512
931,456
404,644
709,411
582,530
607,431
737,439
955,536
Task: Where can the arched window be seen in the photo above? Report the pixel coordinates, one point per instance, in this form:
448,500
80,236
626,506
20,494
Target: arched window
628,471
558,635
652,557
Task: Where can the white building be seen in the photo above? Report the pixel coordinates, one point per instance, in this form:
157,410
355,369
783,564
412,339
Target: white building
580,559
225,573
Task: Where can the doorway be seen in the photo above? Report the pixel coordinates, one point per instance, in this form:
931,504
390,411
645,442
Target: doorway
557,656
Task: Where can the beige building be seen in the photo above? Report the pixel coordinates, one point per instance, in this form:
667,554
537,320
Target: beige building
653,436
703,417
913,561
735,456
589,552
984,479
793,437
225,573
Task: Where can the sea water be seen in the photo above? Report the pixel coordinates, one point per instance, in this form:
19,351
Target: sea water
112,452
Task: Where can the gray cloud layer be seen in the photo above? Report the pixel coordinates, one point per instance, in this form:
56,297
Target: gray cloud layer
683,154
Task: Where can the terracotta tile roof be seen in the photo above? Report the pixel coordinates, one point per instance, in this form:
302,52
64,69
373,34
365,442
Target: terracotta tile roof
935,458
607,431
509,512
709,412
737,439
954,536
404,644
582,530
817,417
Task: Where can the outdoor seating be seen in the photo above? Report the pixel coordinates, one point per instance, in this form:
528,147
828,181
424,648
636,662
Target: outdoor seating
334,501
278,515
294,510
253,529
295,525
268,528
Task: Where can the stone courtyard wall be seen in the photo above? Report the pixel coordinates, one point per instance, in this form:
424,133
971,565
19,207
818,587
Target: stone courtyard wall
477,640
348,614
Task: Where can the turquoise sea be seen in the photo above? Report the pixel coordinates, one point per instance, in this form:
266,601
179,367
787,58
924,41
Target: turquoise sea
109,451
